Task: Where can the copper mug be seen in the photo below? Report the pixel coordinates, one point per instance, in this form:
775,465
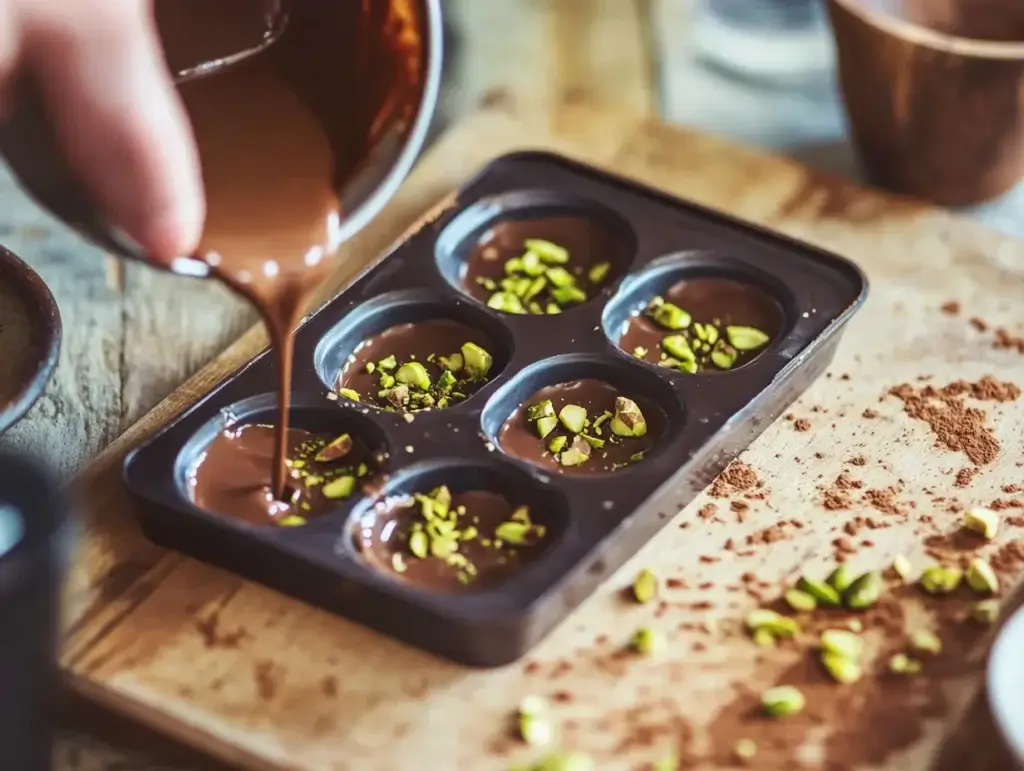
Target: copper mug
397,44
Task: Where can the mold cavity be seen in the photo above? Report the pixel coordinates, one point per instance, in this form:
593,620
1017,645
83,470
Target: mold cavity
534,252
457,529
580,415
694,319
413,355
226,468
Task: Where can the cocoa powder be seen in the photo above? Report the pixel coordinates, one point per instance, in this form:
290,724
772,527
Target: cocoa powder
737,477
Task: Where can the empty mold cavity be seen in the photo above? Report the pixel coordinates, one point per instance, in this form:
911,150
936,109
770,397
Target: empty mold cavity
581,414
697,314
535,252
449,527
410,352
226,467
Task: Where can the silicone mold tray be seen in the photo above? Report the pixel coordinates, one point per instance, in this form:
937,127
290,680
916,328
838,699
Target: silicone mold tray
601,519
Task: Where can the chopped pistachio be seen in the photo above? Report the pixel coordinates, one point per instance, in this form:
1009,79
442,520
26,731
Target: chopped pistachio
578,452
800,601
824,593
936,579
645,586
746,338
628,420
548,252
560,278
842,643
670,763
566,761
763,638
546,425
453,363
397,396
568,295
776,624
594,442
599,272
370,367
443,547
536,730
386,380
745,749
535,288
841,578
984,522
573,417
419,544
531,264
477,361
678,347
388,362
552,309
722,359
864,592
981,577
513,266
901,567
557,444
446,381
639,352
843,670
512,532
926,641
782,700
335,450
855,625
648,642
902,664
349,394
398,562
670,316
985,612
533,705
506,302
540,410
487,283
413,374
291,520
342,487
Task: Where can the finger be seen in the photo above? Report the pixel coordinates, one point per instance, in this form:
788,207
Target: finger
118,117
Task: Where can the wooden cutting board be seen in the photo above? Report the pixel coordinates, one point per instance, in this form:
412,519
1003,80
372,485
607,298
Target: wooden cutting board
266,682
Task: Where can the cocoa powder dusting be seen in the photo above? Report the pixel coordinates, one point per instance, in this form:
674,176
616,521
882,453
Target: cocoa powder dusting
737,477
965,476
803,424
950,307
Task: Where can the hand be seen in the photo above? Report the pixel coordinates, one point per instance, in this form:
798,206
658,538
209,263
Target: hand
115,110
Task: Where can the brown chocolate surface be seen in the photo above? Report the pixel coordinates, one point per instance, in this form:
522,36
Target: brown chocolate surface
717,301
588,242
233,475
386,529
420,341
278,136
519,438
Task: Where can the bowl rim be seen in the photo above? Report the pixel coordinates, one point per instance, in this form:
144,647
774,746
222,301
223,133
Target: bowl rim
955,45
1005,672
46,322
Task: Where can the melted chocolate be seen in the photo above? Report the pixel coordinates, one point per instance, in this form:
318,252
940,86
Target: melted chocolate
588,242
233,475
420,341
385,531
717,301
279,135
519,438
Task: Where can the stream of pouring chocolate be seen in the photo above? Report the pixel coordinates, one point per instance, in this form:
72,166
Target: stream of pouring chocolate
279,136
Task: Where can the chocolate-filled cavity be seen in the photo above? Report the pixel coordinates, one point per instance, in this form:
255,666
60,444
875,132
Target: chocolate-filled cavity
419,366
447,541
703,324
543,264
585,426
232,476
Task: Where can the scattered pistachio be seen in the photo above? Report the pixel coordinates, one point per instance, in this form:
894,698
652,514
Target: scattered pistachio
936,579
557,444
783,700
668,315
843,670
926,641
774,623
823,593
536,730
544,409
647,641
349,394
599,272
902,664
506,302
746,338
864,592
763,638
291,520
842,643
723,359
841,578
547,251
671,763
901,567
514,533
546,425
342,487
533,705
334,450
628,420
370,367
388,363
984,522
985,612
413,374
573,417
477,361
745,749
578,453
645,586
981,577
453,363
800,601
419,544
565,761
677,346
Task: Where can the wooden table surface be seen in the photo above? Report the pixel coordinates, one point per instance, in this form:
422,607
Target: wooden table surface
133,335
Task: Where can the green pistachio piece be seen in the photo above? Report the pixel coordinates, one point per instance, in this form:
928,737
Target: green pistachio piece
639,352
291,520
531,264
540,410
984,522
536,730
647,641
513,266
746,338
506,302
599,272
478,362
902,664
628,420
335,449
487,283
517,286
414,374
594,441
419,544
370,367
349,394
722,359
557,444
771,622
573,417
800,601
985,612
842,669
397,396
546,425
512,532
711,334
342,487
645,586
745,749
535,308
398,562
551,253
678,347
535,288
926,641
841,578
443,547
386,380
842,643
670,316
864,592
901,567
446,381
824,593
560,278
936,579
981,577
689,367
453,363
578,453
670,763
552,309
566,761
763,638
568,295
388,363
783,700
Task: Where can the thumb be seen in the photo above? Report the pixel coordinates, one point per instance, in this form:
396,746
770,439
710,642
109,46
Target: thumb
118,117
